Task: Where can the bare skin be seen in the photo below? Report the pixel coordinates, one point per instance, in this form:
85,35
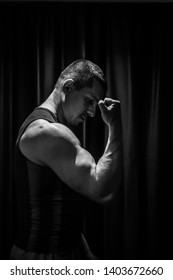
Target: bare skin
55,145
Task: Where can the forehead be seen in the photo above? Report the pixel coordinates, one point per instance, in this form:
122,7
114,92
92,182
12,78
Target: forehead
96,90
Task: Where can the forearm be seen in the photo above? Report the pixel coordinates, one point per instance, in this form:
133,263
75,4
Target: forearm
108,169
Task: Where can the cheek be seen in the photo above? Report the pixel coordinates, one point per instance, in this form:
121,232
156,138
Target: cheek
80,106
77,108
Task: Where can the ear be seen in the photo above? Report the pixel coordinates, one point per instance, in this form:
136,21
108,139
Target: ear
68,85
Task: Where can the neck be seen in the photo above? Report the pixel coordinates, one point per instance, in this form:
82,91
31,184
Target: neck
54,104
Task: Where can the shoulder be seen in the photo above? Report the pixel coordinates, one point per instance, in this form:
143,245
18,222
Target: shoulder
42,129
42,138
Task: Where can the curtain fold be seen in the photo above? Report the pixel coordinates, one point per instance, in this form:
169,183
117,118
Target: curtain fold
133,46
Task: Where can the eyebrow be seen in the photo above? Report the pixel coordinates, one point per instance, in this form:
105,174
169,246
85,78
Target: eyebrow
94,97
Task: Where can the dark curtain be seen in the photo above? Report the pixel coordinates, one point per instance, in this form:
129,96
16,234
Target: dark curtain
132,44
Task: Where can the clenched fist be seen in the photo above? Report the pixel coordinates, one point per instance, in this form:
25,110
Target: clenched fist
110,110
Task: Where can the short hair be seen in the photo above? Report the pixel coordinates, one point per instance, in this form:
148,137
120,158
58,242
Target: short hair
82,72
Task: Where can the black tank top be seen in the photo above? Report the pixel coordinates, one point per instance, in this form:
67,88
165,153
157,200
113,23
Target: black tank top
49,213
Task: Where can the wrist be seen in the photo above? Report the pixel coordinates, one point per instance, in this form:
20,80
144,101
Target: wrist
115,130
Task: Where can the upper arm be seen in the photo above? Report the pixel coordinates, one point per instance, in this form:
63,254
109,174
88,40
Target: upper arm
55,145
74,165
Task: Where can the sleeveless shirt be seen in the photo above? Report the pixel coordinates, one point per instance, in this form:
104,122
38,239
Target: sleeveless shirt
49,213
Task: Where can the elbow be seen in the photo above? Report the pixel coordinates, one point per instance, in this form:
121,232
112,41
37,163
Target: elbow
106,199
102,198
104,194
108,196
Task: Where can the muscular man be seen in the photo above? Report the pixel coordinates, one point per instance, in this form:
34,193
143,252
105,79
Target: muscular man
54,174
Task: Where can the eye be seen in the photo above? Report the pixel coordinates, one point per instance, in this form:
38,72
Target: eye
90,101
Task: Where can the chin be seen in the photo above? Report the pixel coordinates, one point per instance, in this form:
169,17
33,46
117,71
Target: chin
74,123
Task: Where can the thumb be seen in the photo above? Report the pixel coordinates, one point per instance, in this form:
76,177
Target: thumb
102,106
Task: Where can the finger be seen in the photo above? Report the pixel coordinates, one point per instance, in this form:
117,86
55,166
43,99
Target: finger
109,101
102,106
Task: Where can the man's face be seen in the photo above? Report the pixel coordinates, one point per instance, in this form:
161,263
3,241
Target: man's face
82,103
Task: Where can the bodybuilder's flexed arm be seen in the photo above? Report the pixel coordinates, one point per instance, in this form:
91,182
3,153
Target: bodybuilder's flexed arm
55,145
